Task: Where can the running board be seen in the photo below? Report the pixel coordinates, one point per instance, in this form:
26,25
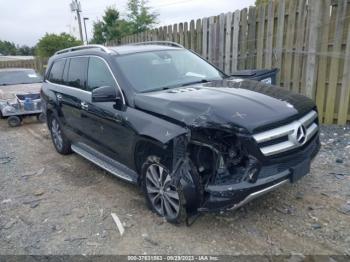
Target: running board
105,162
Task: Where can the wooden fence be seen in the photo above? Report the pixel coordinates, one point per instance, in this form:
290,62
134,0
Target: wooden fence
308,40
39,64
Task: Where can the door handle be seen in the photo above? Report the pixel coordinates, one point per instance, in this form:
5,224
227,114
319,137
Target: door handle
84,105
59,97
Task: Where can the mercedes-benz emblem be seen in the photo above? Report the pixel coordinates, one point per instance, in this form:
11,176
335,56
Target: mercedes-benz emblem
301,135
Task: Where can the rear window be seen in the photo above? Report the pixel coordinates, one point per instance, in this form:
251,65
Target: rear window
77,72
15,77
56,72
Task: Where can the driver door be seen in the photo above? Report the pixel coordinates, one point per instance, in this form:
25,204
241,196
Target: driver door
105,125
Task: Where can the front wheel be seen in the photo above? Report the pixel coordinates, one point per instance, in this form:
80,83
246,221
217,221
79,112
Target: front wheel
61,143
162,195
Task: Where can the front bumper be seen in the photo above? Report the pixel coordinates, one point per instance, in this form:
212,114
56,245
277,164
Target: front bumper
230,196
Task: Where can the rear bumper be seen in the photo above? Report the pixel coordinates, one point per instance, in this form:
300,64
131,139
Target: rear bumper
235,195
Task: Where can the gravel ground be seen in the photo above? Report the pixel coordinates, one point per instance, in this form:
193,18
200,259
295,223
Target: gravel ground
53,204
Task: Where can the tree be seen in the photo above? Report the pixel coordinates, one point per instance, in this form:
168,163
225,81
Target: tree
51,43
140,16
25,50
8,48
260,2
98,33
112,27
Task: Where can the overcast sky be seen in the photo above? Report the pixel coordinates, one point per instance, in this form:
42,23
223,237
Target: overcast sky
25,21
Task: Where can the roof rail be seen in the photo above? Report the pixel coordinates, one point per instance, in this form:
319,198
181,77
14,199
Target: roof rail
169,43
82,47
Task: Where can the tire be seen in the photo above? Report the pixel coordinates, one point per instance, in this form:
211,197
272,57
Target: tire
41,118
164,198
59,140
14,121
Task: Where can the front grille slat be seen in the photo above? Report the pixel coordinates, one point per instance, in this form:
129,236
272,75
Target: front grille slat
298,133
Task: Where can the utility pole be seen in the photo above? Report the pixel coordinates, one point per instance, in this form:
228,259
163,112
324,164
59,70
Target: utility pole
86,18
75,6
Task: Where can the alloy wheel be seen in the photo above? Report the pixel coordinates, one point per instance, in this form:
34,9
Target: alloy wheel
162,193
56,134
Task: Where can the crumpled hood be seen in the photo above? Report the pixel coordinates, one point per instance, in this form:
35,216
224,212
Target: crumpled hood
9,91
227,103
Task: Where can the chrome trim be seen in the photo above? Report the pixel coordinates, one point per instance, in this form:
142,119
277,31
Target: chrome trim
110,70
82,47
289,130
258,194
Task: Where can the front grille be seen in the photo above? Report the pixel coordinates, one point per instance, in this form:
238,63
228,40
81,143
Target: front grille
288,137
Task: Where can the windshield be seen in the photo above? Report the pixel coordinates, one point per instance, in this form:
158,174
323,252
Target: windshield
14,77
157,70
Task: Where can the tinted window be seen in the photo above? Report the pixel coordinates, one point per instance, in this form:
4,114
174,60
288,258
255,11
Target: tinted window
98,74
77,72
56,71
14,77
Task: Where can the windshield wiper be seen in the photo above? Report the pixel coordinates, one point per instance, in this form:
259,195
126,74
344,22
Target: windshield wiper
197,82
157,89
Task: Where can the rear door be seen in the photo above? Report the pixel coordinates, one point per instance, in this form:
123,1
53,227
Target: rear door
72,94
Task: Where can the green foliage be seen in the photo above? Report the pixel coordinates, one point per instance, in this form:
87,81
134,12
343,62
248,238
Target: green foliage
260,2
98,35
25,50
8,48
112,27
140,16
51,43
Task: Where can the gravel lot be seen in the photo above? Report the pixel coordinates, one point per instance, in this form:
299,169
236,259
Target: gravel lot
53,204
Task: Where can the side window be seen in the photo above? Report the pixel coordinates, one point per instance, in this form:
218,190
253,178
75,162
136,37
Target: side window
98,74
77,72
56,72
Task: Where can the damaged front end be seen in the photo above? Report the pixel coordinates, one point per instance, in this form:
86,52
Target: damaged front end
229,169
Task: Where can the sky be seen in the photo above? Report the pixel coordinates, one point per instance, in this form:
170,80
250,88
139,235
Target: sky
24,22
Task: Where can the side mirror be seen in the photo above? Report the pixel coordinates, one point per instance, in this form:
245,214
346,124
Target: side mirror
105,94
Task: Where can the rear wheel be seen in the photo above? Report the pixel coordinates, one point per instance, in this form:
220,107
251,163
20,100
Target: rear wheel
61,143
14,121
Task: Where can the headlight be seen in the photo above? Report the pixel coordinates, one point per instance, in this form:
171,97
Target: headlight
267,81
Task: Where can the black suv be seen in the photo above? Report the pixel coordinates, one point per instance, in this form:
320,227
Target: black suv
160,116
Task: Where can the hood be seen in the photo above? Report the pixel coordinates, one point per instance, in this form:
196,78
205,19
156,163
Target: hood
234,103
9,91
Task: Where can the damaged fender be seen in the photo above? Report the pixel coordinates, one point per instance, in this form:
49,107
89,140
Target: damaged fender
154,127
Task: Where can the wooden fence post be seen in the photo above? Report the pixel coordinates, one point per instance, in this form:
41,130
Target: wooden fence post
279,38
345,88
235,39
335,62
243,39
228,43
315,13
269,36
